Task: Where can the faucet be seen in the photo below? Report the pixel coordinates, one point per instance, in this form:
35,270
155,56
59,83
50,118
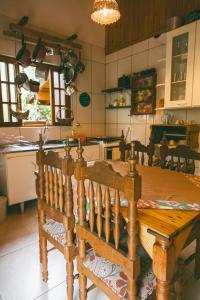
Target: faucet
44,137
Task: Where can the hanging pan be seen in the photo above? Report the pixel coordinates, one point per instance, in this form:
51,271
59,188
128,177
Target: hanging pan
23,55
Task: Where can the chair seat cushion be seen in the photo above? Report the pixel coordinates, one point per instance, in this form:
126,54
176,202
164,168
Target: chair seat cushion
114,277
56,230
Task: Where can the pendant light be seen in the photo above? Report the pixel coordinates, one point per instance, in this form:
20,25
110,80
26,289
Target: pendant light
105,12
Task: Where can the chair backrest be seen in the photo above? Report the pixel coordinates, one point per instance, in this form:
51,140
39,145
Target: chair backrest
140,151
54,182
100,185
180,158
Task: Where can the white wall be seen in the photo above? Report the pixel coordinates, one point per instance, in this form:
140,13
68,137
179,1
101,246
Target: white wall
92,81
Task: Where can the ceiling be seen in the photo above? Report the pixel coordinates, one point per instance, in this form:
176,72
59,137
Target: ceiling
63,17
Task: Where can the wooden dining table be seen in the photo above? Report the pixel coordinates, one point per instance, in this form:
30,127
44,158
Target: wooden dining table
164,233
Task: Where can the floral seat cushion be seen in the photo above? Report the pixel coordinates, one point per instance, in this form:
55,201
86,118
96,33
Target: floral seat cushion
56,230
113,276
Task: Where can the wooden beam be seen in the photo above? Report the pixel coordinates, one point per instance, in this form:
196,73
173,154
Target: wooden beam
34,40
44,36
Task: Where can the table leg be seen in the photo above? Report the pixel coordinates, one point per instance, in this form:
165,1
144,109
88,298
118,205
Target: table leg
163,267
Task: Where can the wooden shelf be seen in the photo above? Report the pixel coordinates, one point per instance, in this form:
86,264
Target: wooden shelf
114,90
118,107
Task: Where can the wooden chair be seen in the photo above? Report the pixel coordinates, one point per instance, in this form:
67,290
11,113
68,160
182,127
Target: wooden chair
140,151
55,208
100,257
180,158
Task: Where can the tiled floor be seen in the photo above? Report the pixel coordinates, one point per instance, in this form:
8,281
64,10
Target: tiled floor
20,271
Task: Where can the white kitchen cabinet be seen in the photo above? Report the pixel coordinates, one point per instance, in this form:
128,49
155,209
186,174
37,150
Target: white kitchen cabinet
180,66
196,82
17,179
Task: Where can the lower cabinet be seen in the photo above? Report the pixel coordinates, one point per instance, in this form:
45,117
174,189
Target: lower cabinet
17,179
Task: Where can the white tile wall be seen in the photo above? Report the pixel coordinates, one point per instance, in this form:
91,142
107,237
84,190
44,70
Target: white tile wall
98,77
140,47
124,66
84,80
140,61
111,75
98,109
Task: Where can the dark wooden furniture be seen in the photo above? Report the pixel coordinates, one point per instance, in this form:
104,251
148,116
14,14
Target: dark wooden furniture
143,96
55,208
149,17
141,151
102,226
187,133
180,158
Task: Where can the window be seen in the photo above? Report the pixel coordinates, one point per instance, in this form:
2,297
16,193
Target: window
61,101
8,92
46,105
38,104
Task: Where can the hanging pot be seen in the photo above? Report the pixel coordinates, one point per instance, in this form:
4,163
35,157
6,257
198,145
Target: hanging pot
23,55
80,67
39,52
34,86
70,59
69,75
20,79
19,114
65,121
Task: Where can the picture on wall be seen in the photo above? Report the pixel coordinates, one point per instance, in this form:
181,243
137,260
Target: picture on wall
143,92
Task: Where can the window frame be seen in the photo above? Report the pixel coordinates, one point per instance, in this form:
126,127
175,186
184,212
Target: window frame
52,68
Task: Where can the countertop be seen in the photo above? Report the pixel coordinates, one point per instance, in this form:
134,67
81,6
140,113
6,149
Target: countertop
23,147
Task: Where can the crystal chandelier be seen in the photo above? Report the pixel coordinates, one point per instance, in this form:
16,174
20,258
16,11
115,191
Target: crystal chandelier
105,12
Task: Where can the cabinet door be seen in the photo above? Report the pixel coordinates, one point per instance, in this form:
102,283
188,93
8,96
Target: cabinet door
91,153
180,66
21,178
196,82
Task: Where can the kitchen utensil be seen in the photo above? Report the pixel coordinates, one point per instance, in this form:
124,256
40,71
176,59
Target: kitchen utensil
39,52
174,22
23,55
80,67
69,75
20,79
19,114
34,86
71,59
65,121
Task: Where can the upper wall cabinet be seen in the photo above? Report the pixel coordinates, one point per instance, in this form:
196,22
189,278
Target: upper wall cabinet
180,66
196,83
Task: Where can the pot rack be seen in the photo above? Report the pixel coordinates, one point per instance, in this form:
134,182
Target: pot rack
31,36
